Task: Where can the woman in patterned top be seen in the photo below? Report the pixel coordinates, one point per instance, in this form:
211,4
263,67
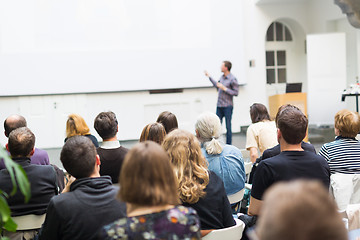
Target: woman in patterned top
149,187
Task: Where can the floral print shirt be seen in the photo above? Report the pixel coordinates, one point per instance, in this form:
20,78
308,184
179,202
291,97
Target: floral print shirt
176,223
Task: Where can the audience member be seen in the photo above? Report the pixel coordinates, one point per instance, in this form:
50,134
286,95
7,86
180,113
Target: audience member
343,154
76,126
169,121
199,188
154,132
111,153
271,152
40,157
151,198
42,178
86,204
225,160
292,163
261,134
299,210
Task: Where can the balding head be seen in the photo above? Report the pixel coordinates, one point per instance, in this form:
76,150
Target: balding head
13,122
21,142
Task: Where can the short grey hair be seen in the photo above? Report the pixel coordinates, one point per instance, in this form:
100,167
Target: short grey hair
208,127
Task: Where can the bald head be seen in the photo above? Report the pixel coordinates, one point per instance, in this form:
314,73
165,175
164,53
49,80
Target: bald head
13,122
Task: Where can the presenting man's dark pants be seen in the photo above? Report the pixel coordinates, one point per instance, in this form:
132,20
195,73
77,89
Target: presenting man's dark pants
227,113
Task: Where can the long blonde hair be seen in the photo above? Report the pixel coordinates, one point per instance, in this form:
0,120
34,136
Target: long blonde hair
76,125
208,128
190,165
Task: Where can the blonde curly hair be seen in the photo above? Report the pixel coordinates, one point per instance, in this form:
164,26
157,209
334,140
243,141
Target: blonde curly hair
189,164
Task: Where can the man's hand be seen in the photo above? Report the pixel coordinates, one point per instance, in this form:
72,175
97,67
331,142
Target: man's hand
221,86
67,186
206,73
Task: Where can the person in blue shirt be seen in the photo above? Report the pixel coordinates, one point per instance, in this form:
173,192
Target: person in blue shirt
225,160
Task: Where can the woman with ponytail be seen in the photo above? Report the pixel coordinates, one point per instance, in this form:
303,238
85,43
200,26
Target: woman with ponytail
225,160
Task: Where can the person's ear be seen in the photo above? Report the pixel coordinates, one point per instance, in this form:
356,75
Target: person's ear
279,135
7,147
98,162
197,133
32,151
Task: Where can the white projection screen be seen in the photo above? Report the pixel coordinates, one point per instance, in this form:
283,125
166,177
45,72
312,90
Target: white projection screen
89,46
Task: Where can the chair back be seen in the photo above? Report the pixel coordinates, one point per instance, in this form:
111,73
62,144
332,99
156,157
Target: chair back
246,155
230,233
236,197
346,189
27,227
29,222
248,166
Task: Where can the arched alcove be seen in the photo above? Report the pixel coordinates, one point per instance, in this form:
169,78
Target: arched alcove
285,55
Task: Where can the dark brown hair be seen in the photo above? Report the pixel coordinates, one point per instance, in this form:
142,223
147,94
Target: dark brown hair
299,210
168,120
13,122
21,142
147,177
292,124
258,113
154,132
228,65
78,156
106,125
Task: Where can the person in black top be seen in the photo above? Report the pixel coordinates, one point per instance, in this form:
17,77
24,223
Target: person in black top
274,151
42,178
199,188
111,153
86,204
292,163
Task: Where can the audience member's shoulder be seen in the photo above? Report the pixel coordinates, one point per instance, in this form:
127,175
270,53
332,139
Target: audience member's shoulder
231,149
308,147
124,149
41,152
271,152
214,179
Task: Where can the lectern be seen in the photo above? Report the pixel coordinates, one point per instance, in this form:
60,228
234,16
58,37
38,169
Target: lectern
296,99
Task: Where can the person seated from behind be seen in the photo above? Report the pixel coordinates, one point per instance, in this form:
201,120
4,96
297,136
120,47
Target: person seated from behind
76,126
154,132
152,199
343,154
292,163
86,204
168,120
261,134
271,152
40,157
111,153
225,160
42,178
299,210
199,188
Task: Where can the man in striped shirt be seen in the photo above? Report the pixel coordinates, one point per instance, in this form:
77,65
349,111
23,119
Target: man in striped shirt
227,87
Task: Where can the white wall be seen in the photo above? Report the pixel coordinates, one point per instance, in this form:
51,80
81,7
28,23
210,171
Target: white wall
47,115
